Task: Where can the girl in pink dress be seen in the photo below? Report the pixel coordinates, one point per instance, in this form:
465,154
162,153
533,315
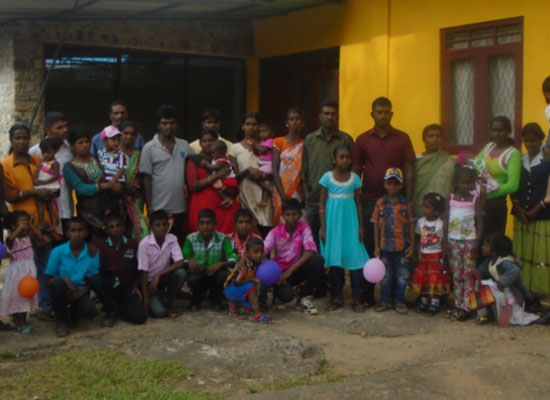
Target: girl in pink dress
21,254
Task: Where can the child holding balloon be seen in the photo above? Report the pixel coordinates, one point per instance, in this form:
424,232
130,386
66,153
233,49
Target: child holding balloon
342,244
20,298
242,286
394,240
432,278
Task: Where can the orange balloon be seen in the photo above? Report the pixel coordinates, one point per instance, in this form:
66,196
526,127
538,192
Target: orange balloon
28,286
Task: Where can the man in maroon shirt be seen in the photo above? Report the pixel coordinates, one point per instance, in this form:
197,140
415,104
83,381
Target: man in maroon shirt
375,151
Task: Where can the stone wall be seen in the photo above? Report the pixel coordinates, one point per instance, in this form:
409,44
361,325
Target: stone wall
7,88
22,53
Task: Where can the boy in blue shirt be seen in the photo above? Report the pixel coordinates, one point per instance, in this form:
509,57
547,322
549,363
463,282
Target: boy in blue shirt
70,274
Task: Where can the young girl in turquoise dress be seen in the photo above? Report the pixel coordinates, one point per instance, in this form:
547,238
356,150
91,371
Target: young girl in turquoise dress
341,229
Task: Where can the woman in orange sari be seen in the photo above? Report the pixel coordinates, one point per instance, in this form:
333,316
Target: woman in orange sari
287,163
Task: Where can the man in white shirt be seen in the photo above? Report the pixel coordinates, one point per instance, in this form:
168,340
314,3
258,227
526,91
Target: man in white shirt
56,127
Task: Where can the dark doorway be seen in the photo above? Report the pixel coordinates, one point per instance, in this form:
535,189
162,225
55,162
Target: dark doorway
304,80
86,80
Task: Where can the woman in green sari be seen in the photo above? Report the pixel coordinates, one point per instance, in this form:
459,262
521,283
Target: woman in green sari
133,196
433,169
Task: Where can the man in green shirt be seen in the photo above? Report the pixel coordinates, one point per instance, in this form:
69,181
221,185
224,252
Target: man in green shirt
317,159
210,254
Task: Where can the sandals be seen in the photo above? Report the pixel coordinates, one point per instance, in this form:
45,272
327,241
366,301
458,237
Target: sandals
262,318
422,308
381,307
174,313
482,320
401,309
432,310
460,315
334,305
358,306
449,313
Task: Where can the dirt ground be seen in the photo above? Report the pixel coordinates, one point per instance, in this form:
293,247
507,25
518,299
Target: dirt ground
336,355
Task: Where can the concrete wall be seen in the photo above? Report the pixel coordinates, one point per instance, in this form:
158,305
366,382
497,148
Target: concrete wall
22,53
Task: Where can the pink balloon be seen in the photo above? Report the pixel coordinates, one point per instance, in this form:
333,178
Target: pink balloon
374,270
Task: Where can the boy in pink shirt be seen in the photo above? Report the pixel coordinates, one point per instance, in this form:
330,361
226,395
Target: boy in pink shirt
296,253
161,262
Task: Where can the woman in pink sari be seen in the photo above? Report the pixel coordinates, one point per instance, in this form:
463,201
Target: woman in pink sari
287,163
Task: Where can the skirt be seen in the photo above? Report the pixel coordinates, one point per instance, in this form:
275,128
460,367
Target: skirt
532,248
431,276
10,301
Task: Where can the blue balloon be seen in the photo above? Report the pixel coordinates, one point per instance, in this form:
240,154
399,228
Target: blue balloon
268,272
2,250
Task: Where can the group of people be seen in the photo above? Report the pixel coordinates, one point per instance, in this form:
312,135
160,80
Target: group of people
152,217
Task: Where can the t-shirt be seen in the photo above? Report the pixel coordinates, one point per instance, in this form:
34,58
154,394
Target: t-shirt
112,162
63,264
431,233
167,173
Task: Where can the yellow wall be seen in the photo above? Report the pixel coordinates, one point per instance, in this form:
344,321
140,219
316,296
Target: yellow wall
391,48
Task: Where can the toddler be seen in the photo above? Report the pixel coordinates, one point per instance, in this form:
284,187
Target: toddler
48,176
242,286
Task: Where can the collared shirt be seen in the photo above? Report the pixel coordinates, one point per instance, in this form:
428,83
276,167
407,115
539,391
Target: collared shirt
63,264
196,146
288,249
218,249
240,247
317,159
153,258
18,177
375,155
118,264
167,173
97,144
112,162
393,221
65,200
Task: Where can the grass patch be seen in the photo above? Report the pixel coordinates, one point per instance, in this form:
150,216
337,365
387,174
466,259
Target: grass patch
98,374
6,355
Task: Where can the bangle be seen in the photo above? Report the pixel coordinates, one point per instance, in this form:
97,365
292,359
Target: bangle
21,195
543,204
321,211
97,187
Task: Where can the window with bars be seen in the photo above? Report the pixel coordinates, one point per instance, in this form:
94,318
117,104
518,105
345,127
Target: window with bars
481,77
